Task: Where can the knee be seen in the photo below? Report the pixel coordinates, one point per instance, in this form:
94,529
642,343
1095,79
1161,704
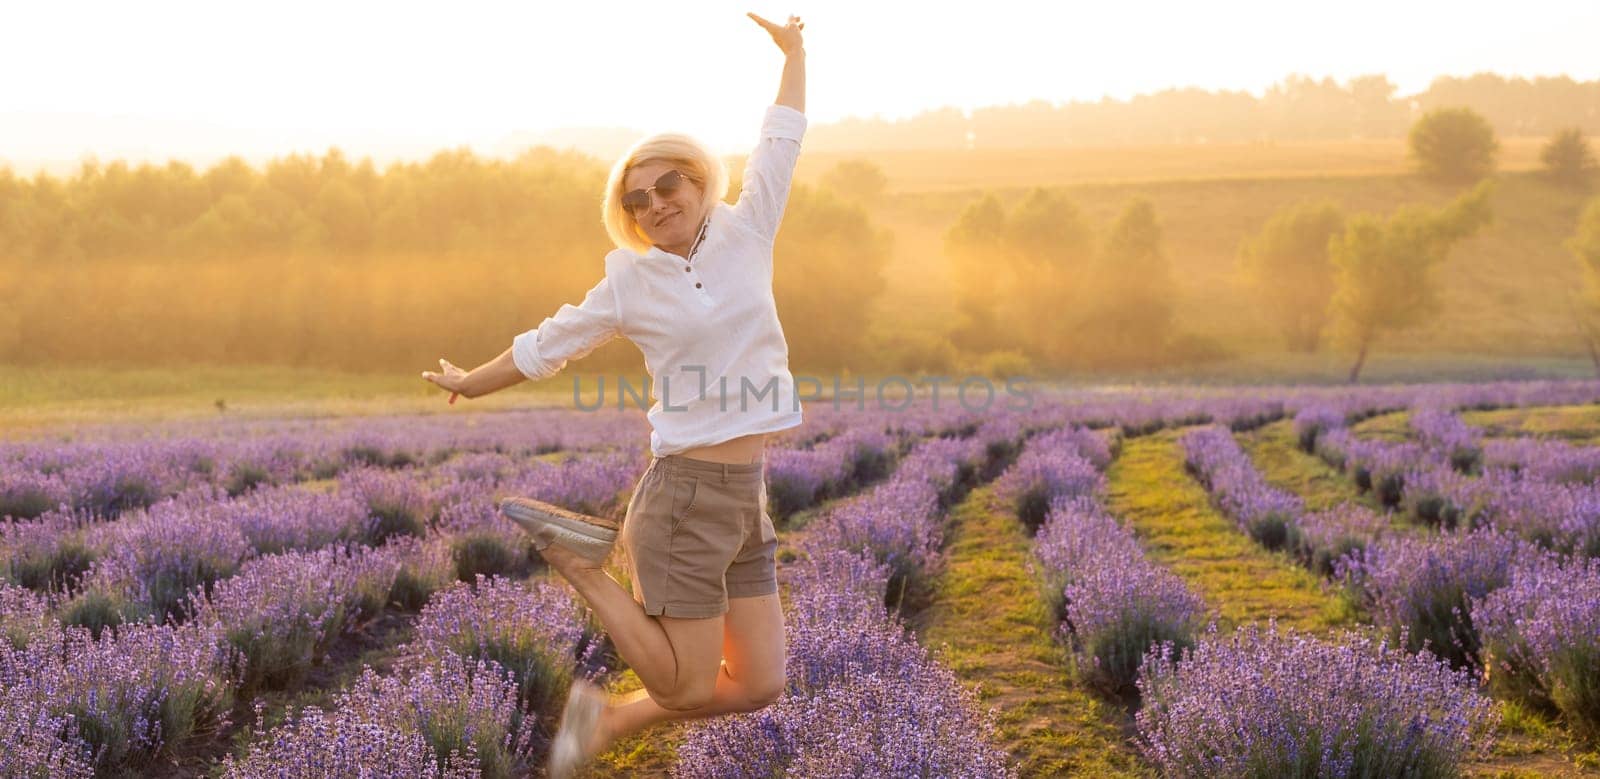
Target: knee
763,694
687,698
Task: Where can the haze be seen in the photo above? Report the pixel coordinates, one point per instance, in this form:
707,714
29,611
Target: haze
200,81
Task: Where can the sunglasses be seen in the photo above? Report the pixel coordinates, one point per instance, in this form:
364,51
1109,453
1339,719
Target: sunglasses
638,201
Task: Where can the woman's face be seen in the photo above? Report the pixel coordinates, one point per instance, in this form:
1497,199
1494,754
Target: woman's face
670,220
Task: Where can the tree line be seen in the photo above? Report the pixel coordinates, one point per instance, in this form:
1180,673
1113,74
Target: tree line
325,261
1039,279
1297,108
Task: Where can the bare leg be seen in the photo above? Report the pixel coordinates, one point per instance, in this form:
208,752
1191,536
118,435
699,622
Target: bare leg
751,676
676,659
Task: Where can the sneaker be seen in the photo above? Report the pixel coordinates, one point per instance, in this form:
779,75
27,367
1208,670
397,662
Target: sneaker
579,719
590,537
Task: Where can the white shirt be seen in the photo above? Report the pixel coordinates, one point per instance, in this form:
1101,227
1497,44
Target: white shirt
717,358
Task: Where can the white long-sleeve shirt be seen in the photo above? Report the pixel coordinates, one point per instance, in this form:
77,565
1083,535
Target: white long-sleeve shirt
709,331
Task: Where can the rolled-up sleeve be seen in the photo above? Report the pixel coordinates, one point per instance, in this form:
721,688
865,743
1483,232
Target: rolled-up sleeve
768,172
571,333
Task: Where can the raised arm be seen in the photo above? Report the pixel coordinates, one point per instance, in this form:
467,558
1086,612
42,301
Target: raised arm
792,90
770,167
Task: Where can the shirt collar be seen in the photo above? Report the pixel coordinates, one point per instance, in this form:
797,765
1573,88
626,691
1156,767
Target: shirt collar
705,237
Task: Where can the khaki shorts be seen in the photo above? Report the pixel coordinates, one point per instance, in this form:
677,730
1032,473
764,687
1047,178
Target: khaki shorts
697,534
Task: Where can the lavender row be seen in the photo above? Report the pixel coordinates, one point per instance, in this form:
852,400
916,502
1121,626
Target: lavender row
111,470
1546,498
133,690
1275,518
1254,702
1214,458
1270,703
1264,702
150,560
1474,598
1111,604
473,694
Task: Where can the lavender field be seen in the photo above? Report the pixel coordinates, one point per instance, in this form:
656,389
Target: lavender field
1255,582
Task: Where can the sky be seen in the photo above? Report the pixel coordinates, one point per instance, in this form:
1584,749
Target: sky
201,80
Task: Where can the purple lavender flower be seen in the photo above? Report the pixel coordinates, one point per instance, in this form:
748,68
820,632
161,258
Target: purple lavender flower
590,484
1311,422
863,699
280,519
25,617
1443,432
37,735
459,706
155,558
1322,538
1115,615
283,611
394,500
1420,589
1268,514
1554,461
797,478
315,744
533,631
1562,517
1438,495
28,494
897,522
1541,637
1048,469
1112,603
1265,703
139,691
46,554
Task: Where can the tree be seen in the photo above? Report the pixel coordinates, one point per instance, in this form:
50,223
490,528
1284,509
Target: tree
1020,274
1453,145
1585,246
856,179
1130,320
828,272
1049,246
973,246
1286,265
1384,270
1568,160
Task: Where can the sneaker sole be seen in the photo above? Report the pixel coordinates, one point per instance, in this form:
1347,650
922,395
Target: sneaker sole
560,526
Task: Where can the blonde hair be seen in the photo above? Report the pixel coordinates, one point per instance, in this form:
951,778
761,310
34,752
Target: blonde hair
686,154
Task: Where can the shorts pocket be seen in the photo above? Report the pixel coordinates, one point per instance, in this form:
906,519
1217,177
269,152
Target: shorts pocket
684,492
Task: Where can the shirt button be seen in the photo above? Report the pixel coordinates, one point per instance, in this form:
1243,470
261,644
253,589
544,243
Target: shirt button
697,285
686,269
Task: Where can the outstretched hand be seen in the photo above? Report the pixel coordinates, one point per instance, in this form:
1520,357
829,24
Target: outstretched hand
450,379
786,36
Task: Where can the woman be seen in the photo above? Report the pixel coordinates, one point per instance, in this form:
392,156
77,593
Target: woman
690,283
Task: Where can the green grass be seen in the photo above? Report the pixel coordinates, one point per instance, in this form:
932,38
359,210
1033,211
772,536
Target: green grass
37,400
1394,426
1174,519
652,752
1574,424
46,400
988,623
1276,454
